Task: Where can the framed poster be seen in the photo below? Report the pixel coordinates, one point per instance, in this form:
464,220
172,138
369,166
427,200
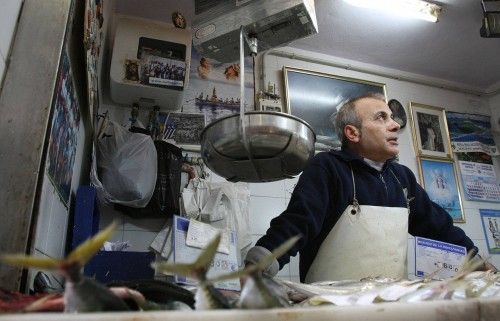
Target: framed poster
185,129
315,97
440,181
61,151
491,220
471,133
430,131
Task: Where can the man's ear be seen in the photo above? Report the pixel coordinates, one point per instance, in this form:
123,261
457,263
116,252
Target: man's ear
352,133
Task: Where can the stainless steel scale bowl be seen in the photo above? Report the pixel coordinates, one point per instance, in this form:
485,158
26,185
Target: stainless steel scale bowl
279,145
256,146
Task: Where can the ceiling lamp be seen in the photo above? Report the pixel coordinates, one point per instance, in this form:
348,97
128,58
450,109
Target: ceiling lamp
407,8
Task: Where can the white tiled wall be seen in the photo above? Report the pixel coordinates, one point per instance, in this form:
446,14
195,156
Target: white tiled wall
8,18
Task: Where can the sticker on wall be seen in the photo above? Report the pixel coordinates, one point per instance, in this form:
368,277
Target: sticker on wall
132,70
64,131
178,20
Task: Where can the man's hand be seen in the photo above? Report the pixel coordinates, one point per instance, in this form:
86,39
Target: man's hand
486,266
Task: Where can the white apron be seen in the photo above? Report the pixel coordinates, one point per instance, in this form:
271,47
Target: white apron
366,241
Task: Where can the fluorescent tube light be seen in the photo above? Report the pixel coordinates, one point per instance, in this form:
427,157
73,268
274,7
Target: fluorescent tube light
406,8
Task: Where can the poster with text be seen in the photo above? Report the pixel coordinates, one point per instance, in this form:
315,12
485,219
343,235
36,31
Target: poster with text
479,181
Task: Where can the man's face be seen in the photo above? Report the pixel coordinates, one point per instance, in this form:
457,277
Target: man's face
378,138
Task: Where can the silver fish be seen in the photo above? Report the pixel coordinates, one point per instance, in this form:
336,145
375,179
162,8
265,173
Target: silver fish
259,291
207,297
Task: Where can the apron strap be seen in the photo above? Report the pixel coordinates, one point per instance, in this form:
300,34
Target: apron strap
355,204
405,192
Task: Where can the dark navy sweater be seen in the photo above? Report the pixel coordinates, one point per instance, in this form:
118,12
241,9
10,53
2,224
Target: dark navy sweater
325,189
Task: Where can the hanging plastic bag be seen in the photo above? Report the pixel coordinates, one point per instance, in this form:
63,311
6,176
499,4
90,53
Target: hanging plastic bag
124,166
165,199
224,205
194,197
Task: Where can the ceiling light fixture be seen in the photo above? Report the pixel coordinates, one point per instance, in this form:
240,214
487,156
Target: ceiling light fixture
406,8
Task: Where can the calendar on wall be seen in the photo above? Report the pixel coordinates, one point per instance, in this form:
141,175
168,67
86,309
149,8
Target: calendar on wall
479,181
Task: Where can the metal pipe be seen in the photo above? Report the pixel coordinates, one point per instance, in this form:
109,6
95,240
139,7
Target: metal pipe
243,135
291,55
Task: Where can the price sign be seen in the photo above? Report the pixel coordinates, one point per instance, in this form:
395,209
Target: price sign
434,256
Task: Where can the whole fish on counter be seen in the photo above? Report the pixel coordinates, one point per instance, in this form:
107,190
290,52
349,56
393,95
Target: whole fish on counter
260,291
81,294
207,297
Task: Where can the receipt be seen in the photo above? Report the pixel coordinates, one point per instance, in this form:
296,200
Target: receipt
200,234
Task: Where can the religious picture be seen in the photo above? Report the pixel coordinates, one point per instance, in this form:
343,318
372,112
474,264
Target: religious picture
439,180
430,131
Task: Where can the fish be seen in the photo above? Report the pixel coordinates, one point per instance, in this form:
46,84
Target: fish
81,293
207,297
163,293
259,290
445,289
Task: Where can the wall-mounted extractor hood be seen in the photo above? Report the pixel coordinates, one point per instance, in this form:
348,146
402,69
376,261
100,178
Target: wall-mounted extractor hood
274,23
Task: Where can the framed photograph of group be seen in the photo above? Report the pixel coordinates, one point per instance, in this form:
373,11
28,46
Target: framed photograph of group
430,131
184,128
315,97
439,179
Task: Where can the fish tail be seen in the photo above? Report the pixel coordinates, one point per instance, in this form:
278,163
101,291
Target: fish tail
78,257
28,261
85,251
198,268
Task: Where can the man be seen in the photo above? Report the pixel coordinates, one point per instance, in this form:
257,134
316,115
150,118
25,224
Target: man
354,207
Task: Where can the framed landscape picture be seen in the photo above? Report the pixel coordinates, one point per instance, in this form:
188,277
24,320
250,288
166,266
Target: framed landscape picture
430,131
315,98
439,179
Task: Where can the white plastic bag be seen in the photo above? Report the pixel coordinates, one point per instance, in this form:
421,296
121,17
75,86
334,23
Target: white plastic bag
126,167
224,205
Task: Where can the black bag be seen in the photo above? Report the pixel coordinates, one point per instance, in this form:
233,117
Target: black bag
165,199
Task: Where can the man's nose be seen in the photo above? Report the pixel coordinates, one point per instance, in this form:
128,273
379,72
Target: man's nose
394,126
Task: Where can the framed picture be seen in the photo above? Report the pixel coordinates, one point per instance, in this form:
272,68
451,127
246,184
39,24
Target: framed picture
185,129
491,220
439,179
63,141
315,97
430,131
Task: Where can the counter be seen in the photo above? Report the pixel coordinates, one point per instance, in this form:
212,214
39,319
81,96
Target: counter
469,310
